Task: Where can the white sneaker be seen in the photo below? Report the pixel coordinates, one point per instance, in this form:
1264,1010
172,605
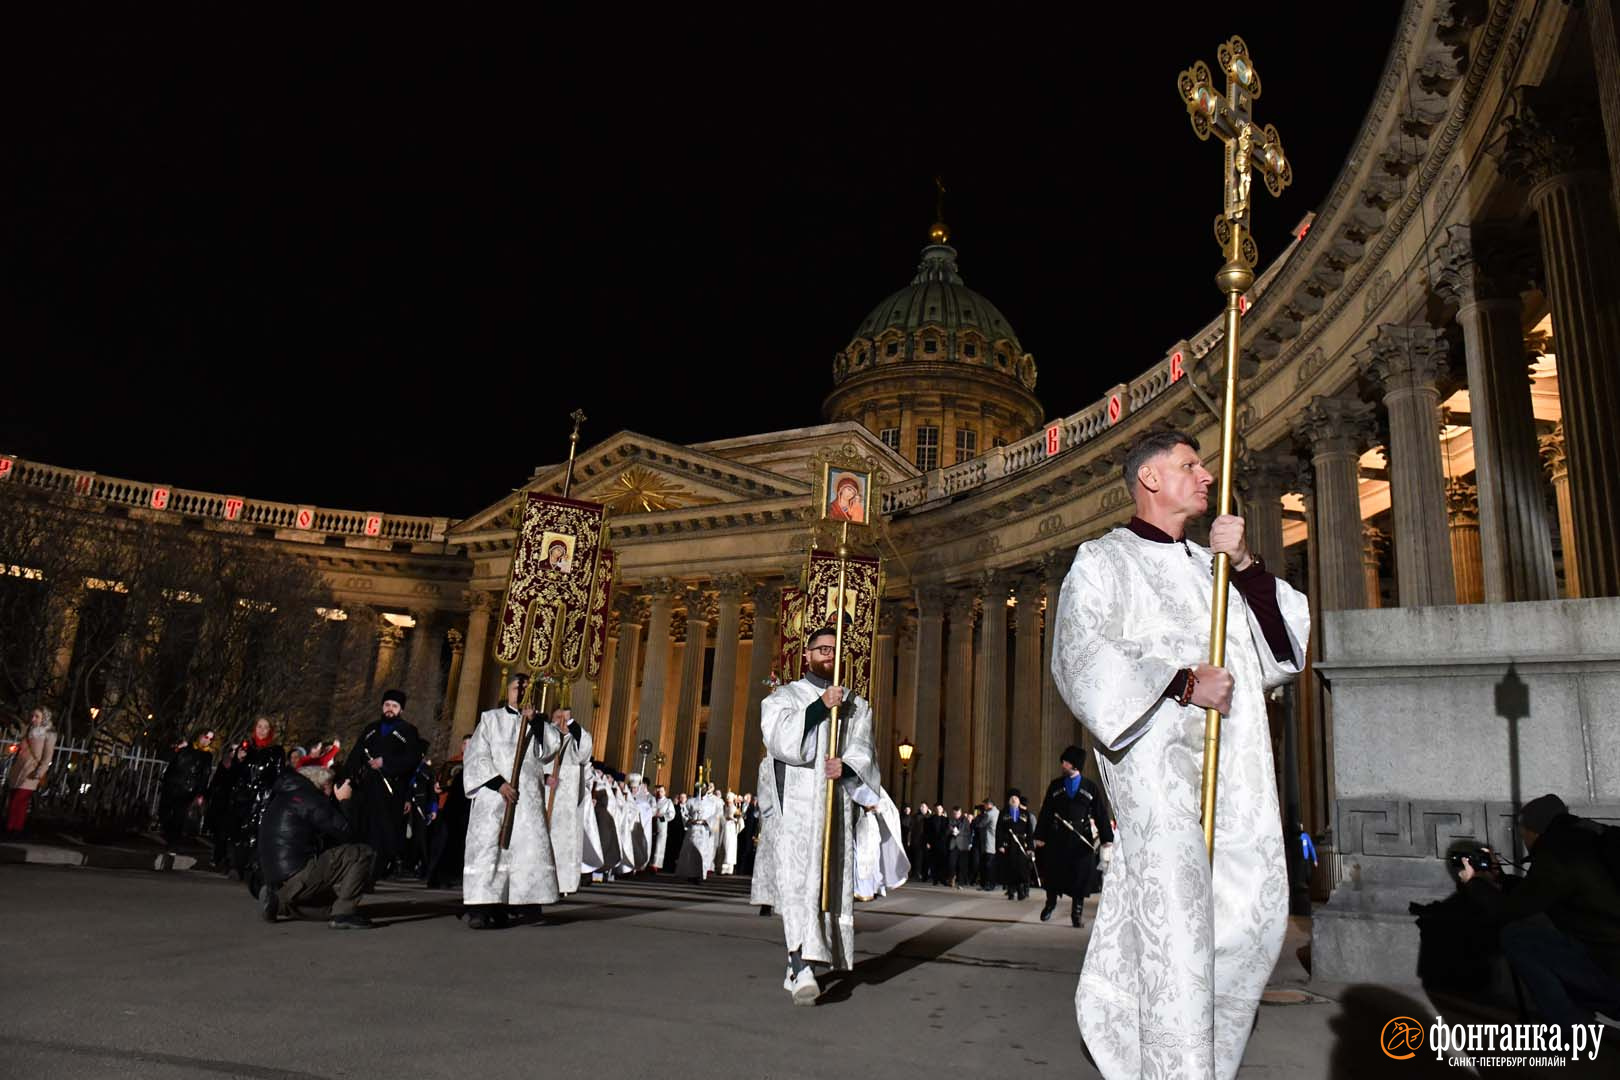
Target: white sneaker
805,987
787,980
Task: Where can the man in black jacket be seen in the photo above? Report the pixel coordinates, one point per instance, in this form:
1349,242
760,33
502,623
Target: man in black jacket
382,765
305,853
1572,967
184,782
1066,845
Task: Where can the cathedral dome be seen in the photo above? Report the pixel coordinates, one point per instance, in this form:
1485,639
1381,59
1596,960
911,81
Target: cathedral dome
935,370
969,329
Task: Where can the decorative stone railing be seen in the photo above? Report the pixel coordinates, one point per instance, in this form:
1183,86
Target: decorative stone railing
1077,428
314,520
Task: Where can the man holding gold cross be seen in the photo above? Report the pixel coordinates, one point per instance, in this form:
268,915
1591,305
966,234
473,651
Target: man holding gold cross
796,723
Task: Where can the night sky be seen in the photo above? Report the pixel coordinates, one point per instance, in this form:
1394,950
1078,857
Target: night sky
374,263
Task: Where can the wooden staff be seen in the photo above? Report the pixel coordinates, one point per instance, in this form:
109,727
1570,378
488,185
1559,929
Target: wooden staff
832,733
578,417
517,762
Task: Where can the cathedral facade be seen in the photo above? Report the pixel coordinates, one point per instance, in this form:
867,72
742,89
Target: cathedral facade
1430,418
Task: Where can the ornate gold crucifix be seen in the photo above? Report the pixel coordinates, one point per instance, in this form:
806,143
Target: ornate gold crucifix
1231,117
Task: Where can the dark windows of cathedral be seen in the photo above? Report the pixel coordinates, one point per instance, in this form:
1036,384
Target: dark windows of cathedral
891,438
967,444
892,349
970,350
930,346
927,448
1001,360
998,441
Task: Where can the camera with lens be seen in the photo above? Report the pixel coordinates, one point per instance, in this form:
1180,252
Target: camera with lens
1482,859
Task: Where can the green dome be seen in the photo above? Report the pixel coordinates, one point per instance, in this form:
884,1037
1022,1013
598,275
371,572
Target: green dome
937,297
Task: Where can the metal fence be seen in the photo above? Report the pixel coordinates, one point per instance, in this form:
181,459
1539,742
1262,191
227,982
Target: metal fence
98,784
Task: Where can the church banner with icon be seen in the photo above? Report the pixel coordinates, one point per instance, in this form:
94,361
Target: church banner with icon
790,636
862,591
599,616
544,619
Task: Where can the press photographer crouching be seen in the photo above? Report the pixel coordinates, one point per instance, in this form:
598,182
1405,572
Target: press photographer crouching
306,851
1569,958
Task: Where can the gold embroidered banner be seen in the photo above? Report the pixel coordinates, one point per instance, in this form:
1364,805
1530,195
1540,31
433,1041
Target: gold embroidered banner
599,615
790,636
860,612
544,616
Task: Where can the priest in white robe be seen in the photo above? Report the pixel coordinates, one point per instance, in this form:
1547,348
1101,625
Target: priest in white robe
795,723
730,829
568,805
880,856
663,813
641,801
522,875
762,887
1180,954
703,818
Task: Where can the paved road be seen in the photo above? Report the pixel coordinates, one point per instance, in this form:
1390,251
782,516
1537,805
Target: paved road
111,973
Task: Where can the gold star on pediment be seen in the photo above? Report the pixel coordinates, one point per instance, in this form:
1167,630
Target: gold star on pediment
641,490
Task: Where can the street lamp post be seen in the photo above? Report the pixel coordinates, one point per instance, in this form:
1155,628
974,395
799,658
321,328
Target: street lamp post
905,750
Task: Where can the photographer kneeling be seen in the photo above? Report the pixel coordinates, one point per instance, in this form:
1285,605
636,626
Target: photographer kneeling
305,851
1572,967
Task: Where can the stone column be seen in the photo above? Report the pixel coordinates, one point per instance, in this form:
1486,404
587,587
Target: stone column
990,693
761,662
63,621
958,748
1552,453
481,606
905,694
1337,430
1263,476
1462,516
1407,361
1027,765
655,664
930,649
619,750
452,684
424,650
1480,271
389,639
1374,542
882,694
724,747
1603,31
1058,726
1557,149
685,759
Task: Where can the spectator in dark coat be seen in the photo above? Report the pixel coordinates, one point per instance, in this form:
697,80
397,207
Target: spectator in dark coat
382,763
307,857
1014,832
185,782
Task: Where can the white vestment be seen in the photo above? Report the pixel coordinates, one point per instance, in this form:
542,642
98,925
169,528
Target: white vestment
1171,980
762,888
626,817
641,830
524,873
730,827
663,814
592,859
697,849
800,794
567,810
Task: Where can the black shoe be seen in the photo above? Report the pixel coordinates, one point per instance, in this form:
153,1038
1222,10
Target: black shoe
764,909
1046,911
269,906
1076,915
355,921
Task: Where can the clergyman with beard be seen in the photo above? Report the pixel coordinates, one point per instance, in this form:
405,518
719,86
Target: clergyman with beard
382,763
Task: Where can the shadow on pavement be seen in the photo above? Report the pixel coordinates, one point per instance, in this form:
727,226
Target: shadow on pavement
1367,1019
913,952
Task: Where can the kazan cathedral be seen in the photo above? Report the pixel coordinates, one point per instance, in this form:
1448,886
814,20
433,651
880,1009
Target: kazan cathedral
1431,390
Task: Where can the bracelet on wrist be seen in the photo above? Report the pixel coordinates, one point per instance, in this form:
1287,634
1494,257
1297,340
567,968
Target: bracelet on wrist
1187,689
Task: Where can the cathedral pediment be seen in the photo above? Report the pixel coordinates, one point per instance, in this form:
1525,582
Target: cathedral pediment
636,474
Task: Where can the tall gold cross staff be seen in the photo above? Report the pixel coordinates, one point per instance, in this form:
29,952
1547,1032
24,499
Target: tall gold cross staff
1248,149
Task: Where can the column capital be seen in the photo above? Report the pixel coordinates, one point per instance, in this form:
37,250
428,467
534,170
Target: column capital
1373,540
1027,589
1054,565
480,601
961,604
390,636
889,619
931,601
732,588
1462,502
457,641
696,604
1406,356
997,583
1483,262
1267,473
627,606
1550,135
1335,424
767,597
1552,452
